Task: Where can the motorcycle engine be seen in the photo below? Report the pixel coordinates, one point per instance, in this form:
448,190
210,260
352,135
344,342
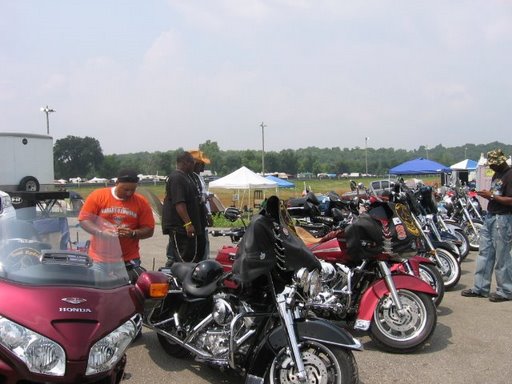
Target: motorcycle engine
215,339
331,302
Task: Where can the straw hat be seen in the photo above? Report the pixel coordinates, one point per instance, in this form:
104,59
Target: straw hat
199,156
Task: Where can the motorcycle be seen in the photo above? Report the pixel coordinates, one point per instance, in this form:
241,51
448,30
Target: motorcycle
439,231
256,320
320,214
379,294
64,317
444,254
463,212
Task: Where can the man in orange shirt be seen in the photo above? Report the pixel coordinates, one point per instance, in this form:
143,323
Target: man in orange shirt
117,215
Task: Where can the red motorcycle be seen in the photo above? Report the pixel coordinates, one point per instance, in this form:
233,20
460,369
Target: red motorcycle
360,288
64,317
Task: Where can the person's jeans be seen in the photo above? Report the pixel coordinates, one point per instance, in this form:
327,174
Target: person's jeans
494,252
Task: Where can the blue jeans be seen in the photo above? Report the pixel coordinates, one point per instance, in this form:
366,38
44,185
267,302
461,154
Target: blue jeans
495,246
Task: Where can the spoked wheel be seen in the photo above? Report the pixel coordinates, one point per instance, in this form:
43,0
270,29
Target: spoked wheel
431,275
473,235
449,268
407,331
464,246
323,365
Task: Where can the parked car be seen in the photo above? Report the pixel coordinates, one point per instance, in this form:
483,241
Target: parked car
7,210
378,186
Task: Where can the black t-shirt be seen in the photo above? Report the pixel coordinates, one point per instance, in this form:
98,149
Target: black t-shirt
501,185
180,188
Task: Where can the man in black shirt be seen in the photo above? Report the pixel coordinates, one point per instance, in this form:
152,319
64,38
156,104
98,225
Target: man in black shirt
181,218
495,235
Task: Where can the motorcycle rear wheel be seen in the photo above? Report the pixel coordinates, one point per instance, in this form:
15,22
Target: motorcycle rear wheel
408,332
171,348
431,275
449,268
323,363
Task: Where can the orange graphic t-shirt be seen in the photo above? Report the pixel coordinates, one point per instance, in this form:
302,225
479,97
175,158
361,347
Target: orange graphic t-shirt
108,211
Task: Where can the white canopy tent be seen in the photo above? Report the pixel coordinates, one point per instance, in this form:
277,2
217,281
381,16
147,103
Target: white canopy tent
463,171
242,179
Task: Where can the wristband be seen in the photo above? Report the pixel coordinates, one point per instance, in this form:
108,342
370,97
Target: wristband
134,234
187,224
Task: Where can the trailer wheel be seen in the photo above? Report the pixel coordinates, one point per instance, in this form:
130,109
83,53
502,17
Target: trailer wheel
29,183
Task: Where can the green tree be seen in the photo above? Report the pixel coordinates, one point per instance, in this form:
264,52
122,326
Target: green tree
76,156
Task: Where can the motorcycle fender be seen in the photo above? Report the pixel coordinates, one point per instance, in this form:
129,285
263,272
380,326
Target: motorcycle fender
319,330
416,260
447,247
373,294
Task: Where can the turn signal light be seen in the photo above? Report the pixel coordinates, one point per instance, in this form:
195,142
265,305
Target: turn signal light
158,290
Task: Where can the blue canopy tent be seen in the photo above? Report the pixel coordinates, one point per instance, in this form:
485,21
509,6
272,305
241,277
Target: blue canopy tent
419,166
281,183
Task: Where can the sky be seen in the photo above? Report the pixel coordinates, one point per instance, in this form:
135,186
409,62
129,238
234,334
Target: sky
160,75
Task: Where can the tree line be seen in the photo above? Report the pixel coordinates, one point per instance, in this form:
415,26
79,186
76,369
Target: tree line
83,157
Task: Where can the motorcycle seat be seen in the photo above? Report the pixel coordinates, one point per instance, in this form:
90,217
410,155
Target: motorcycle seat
183,273
306,237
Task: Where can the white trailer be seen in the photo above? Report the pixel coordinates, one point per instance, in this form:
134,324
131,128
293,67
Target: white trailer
26,162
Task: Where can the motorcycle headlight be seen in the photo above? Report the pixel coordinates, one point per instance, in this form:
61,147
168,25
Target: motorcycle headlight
105,353
40,354
314,283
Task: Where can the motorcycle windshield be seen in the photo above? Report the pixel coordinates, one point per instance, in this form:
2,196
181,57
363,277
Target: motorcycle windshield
37,251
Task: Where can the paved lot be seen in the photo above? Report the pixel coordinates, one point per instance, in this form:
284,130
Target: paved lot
471,344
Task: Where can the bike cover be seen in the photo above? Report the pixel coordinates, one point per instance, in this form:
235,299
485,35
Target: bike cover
270,245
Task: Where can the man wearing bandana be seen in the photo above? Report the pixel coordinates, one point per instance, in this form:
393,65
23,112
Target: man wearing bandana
117,212
495,235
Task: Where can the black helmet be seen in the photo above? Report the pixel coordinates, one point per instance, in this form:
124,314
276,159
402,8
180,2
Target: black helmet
232,214
206,271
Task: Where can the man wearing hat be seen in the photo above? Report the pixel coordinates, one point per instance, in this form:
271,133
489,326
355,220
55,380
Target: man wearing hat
181,217
495,235
206,215
117,212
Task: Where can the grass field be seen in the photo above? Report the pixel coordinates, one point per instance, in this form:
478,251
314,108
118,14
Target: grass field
226,195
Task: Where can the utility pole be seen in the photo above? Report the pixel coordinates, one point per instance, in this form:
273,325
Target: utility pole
366,153
262,125
47,110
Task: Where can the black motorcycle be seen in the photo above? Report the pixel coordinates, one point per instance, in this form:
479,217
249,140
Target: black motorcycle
256,320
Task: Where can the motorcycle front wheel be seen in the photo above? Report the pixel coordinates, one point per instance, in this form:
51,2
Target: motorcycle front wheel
449,267
464,247
431,275
407,331
473,234
324,364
